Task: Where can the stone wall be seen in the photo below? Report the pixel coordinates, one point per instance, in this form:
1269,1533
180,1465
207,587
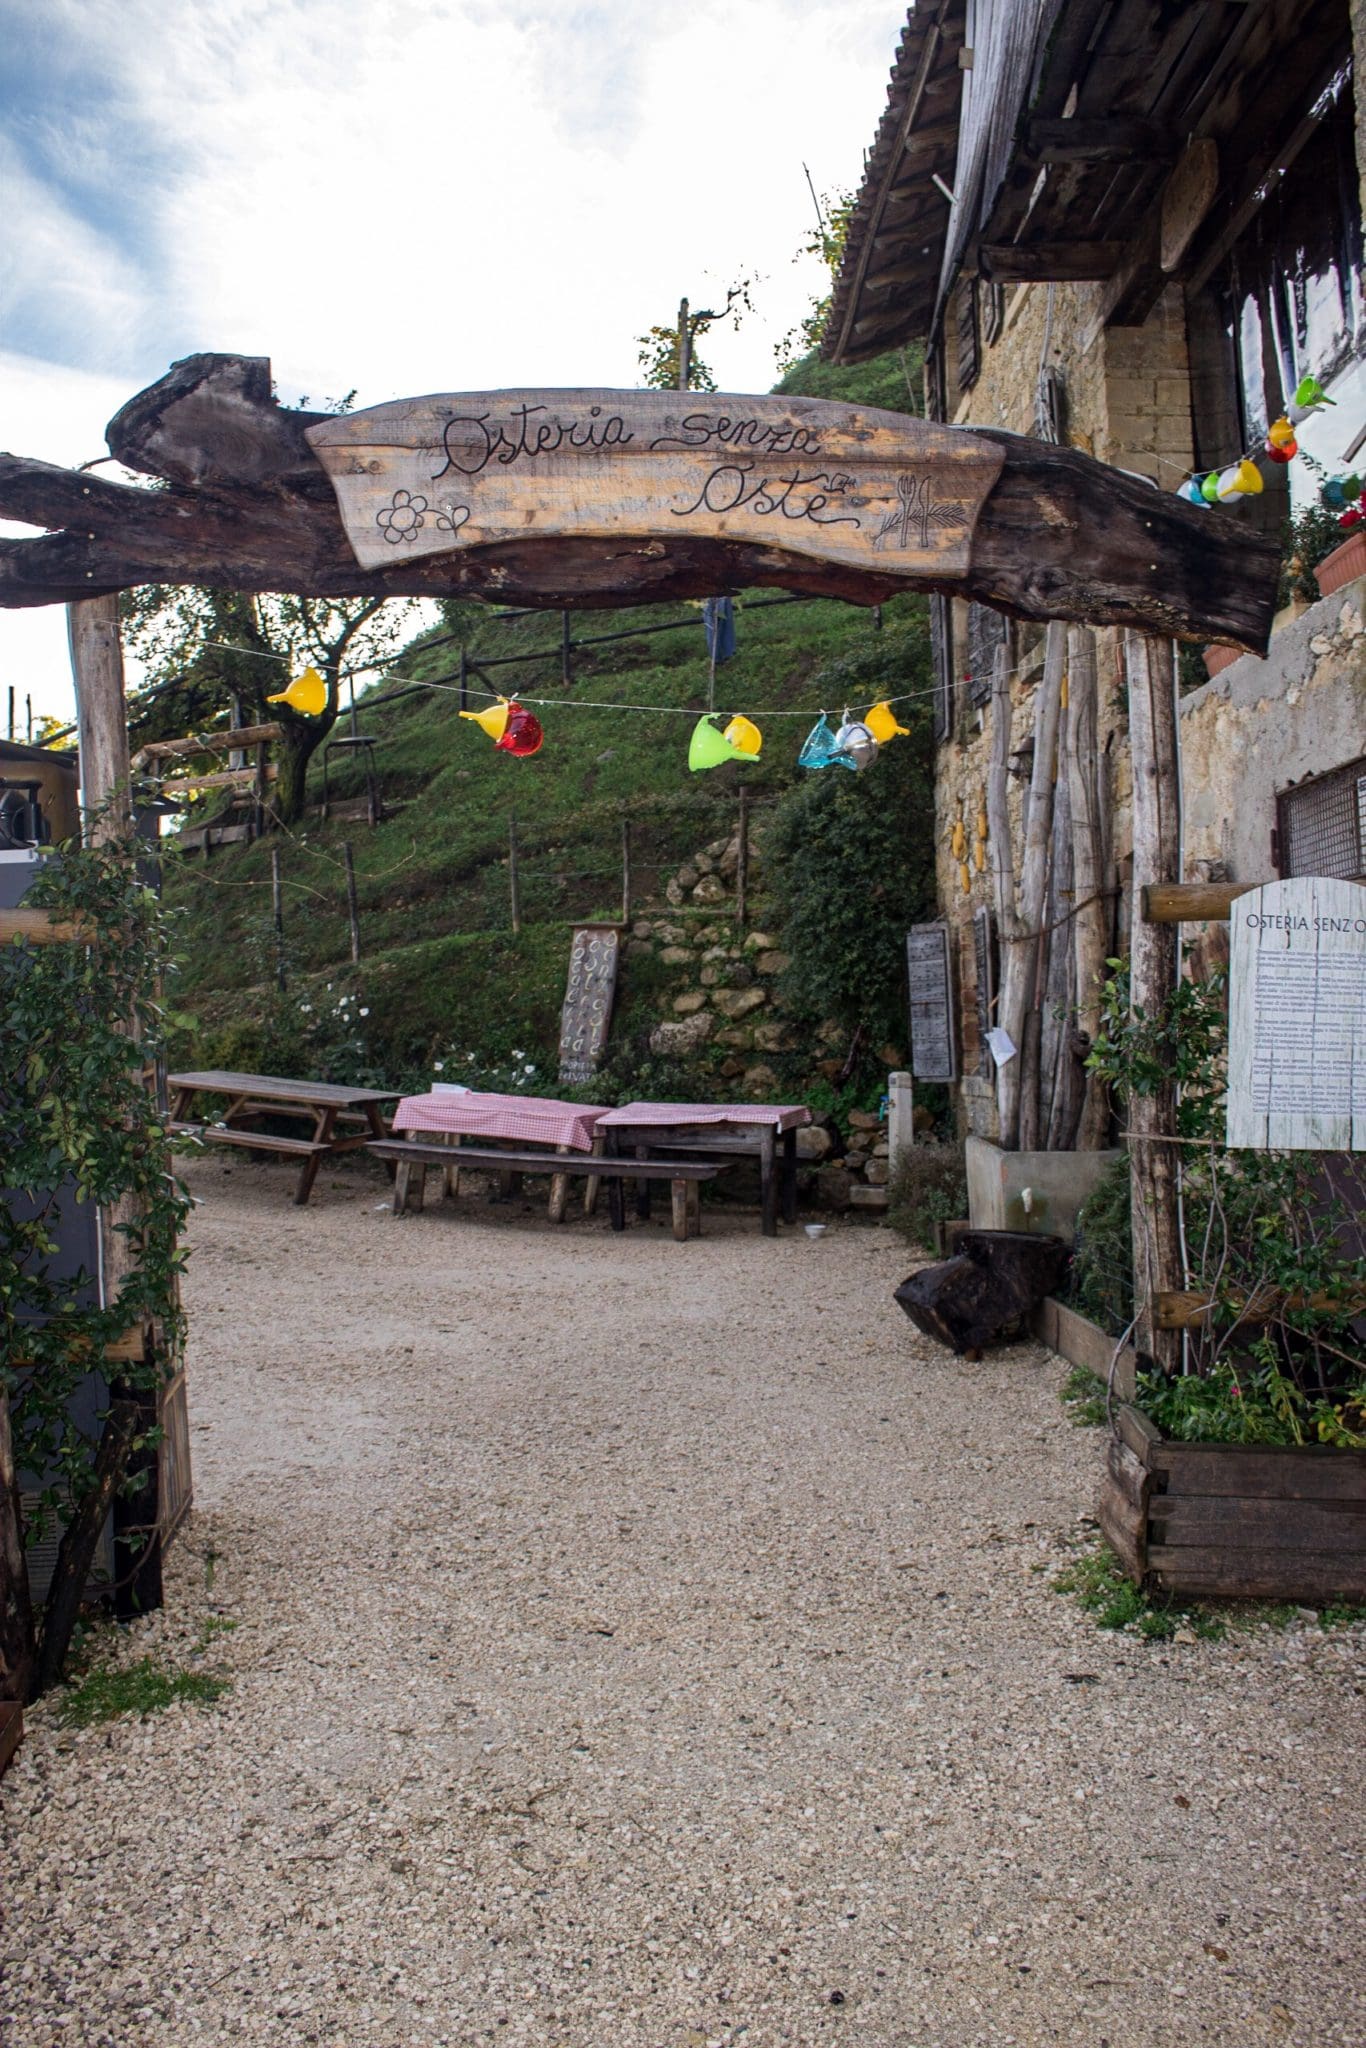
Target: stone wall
721,1016
1261,726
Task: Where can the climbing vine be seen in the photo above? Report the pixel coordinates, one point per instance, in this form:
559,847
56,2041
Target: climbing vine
83,1021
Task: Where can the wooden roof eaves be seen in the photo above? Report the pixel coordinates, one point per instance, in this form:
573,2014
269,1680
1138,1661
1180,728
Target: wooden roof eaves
927,63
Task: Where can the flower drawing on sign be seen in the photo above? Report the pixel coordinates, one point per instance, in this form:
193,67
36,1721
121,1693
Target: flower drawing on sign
450,518
915,512
402,518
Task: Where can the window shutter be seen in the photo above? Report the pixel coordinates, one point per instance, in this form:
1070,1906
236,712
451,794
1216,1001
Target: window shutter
969,337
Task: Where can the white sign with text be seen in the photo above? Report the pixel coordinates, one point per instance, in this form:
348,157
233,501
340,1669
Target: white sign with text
1297,1017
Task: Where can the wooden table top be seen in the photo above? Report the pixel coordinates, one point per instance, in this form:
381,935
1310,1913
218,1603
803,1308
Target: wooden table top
277,1088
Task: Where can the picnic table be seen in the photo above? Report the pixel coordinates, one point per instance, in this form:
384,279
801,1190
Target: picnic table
534,1126
251,1096
527,1134
703,1128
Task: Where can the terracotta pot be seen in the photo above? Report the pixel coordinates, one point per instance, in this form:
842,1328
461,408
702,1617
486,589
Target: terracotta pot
1220,658
1344,565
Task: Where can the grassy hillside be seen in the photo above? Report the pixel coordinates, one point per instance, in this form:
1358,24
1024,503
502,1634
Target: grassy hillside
441,971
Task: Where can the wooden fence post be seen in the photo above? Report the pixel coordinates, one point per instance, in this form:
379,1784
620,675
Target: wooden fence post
352,905
514,886
1150,674
277,915
742,862
626,871
566,652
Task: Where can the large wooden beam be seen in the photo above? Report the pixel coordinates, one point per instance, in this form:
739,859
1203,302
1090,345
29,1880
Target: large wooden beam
244,504
1049,262
1191,902
1114,138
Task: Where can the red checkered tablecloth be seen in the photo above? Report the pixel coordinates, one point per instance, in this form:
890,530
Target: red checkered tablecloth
523,1119
662,1115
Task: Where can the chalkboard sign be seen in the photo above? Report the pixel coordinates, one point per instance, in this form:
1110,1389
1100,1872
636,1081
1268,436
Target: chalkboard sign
587,1011
934,1043
1297,1017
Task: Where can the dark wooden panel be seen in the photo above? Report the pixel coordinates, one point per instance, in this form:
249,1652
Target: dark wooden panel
1230,1522
11,1730
1243,1471
1124,1527
1256,1574
175,1487
1142,1436
1128,1472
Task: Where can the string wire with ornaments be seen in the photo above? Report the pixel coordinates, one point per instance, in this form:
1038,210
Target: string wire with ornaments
1243,478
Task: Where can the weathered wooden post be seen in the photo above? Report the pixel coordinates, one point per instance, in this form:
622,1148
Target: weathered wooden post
900,1119
1153,1166
626,871
1090,879
742,861
514,878
352,904
277,915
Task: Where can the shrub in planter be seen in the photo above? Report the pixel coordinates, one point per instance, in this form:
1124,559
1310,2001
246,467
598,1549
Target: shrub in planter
929,1186
1242,1472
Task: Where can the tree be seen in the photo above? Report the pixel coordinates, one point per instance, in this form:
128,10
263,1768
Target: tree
834,213
206,652
666,367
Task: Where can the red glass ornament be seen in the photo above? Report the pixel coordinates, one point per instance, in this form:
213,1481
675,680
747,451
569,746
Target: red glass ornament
522,734
1353,516
1281,451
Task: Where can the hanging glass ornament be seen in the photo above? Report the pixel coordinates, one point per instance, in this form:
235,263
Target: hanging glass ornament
522,734
709,746
307,693
1310,395
820,748
881,723
1240,480
1192,491
492,719
856,742
743,737
1209,489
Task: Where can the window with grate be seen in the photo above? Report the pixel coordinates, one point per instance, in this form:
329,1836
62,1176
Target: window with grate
1321,825
941,651
988,631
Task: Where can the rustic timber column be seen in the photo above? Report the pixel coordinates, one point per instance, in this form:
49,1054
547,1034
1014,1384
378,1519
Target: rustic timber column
1091,923
101,717
1151,675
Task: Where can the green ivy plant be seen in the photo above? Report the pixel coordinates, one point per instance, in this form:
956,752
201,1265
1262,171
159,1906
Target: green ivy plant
1263,1229
83,1021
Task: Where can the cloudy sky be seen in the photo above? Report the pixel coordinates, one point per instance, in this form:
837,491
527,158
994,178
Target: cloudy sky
400,198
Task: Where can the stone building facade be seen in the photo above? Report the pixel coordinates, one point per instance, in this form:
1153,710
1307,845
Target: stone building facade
1224,270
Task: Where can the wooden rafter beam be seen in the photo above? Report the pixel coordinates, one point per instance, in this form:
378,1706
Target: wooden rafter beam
1049,262
244,503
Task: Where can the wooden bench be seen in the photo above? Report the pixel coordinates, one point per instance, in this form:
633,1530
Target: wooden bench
412,1157
323,1104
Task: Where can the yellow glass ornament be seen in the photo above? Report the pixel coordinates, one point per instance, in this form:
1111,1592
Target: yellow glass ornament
881,723
493,719
743,736
307,693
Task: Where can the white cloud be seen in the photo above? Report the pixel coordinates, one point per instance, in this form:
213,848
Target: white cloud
403,199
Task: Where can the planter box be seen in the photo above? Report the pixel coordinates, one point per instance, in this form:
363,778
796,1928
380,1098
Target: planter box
1059,1183
1344,565
1234,1520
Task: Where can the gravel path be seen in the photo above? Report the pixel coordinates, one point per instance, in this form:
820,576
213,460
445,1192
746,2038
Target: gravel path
647,1646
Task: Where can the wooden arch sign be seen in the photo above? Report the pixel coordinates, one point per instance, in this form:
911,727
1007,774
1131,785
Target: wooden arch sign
588,498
